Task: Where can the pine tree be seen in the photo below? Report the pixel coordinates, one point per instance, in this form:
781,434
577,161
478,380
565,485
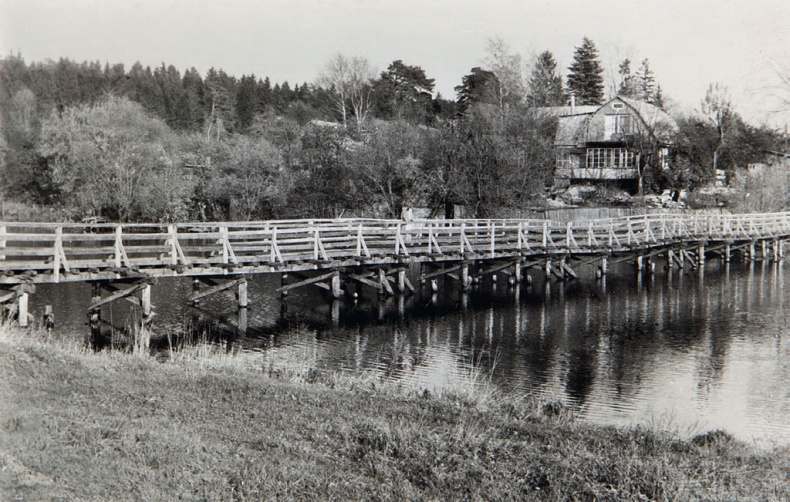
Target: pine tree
627,80
404,92
545,83
585,79
480,86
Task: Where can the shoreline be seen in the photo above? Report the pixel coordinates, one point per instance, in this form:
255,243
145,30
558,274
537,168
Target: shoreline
199,425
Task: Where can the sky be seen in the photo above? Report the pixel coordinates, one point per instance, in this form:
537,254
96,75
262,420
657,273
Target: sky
743,44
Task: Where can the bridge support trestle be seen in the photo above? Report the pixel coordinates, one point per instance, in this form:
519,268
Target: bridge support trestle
141,332
318,281
567,271
603,267
22,313
463,276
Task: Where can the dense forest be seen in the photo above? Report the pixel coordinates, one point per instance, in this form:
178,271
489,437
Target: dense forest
143,144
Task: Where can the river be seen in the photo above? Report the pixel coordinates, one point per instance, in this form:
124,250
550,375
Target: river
685,350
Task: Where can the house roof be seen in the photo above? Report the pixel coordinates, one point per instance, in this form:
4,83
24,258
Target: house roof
574,120
570,128
568,111
656,119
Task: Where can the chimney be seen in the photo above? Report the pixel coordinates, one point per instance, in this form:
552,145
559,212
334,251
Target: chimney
573,103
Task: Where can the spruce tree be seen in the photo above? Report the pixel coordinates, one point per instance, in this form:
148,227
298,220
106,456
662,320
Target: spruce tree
658,100
585,79
264,94
246,101
647,82
545,83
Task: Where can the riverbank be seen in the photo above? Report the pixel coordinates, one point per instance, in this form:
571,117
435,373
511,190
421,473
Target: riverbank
206,425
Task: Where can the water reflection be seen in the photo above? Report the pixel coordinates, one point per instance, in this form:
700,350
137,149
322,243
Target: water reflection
698,349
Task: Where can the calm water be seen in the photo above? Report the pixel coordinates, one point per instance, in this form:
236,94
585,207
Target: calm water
682,349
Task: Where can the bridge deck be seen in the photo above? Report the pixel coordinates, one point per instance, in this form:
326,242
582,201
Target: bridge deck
51,253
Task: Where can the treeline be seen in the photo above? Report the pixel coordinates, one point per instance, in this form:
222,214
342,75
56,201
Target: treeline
191,102
157,144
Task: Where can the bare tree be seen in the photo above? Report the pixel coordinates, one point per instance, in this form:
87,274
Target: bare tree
509,70
717,107
349,82
616,55
782,93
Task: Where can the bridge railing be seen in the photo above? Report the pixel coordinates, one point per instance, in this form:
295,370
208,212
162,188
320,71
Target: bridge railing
62,248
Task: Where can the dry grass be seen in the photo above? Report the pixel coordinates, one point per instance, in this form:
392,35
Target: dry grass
211,425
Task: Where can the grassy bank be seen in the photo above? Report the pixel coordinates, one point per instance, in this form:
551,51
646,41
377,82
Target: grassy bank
77,425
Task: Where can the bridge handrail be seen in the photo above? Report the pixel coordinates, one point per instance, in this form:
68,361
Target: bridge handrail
58,248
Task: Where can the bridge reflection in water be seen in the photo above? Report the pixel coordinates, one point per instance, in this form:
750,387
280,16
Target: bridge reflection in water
689,349
684,350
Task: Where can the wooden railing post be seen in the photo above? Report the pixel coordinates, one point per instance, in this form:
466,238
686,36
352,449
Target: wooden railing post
59,258
56,255
493,239
171,232
117,247
362,246
462,237
223,232
520,236
611,233
630,231
275,255
545,234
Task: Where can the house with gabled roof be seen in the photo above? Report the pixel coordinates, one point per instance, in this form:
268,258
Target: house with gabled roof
610,142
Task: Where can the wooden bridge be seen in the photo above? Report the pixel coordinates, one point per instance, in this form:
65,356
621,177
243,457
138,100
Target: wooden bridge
376,253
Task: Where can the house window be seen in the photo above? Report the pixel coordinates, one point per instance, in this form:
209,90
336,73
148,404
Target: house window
564,160
617,125
610,158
